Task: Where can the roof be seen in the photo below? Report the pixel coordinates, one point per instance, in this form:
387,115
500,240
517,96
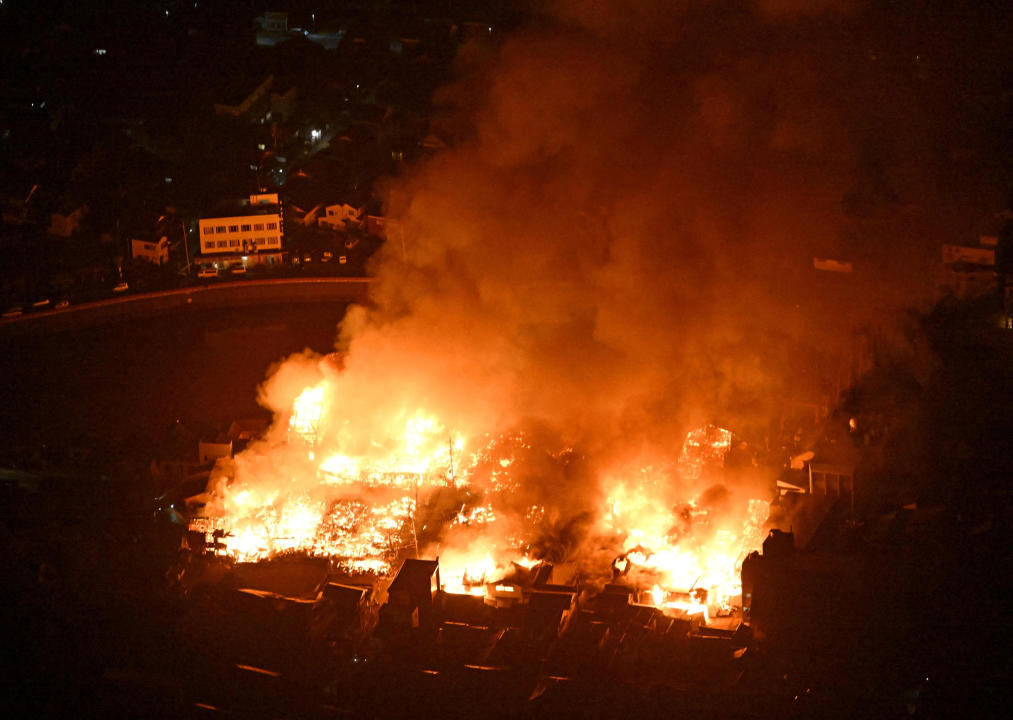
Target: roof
413,575
347,598
550,600
242,209
240,87
247,428
293,577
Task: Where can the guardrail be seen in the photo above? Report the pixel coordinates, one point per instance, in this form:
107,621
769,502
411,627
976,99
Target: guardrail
211,295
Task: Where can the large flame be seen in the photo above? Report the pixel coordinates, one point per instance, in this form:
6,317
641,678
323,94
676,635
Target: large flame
361,510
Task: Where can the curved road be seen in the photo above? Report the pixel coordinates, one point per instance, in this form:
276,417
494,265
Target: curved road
218,294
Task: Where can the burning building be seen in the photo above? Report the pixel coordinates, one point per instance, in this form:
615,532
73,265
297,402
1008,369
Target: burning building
566,391
440,494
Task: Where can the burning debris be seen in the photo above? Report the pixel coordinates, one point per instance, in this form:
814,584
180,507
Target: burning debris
470,501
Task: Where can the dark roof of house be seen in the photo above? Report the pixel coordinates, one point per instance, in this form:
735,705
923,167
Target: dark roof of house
347,598
247,428
240,209
239,87
414,575
548,600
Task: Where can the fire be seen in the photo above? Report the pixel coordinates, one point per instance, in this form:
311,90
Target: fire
705,568
361,509
468,575
307,410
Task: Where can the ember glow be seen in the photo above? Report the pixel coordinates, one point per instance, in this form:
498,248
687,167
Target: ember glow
364,511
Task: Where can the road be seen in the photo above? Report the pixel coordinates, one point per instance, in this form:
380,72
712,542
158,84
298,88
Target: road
198,297
128,367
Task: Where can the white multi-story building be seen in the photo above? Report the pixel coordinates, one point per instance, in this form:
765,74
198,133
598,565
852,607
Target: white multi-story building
255,230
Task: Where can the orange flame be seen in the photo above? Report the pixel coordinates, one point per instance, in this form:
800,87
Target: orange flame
359,510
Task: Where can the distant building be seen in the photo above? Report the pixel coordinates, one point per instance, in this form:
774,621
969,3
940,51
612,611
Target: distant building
242,432
254,230
383,227
273,29
433,143
831,265
67,220
210,450
156,252
253,105
837,480
274,22
411,595
343,216
247,429
966,271
283,104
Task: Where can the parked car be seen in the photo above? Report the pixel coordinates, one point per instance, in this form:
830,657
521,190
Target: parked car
327,256
207,272
13,312
41,304
121,287
238,270
342,259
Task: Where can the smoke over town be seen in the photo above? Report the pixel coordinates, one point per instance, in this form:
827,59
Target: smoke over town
614,243
613,251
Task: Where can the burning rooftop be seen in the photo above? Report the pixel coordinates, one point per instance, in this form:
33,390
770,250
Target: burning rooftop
480,503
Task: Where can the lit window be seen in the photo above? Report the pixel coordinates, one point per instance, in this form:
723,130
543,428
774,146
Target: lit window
233,228
223,243
220,229
259,227
233,243
272,226
208,230
245,228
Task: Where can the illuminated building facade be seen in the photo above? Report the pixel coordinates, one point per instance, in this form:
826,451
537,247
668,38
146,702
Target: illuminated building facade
255,231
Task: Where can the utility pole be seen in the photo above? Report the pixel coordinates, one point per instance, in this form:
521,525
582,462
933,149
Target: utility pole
186,246
415,510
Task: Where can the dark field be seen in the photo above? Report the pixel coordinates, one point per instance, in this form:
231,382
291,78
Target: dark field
90,622
128,381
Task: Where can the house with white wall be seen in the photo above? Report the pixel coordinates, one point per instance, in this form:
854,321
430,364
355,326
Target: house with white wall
343,216
156,252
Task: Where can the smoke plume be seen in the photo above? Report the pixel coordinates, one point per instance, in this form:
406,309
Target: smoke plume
617,247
